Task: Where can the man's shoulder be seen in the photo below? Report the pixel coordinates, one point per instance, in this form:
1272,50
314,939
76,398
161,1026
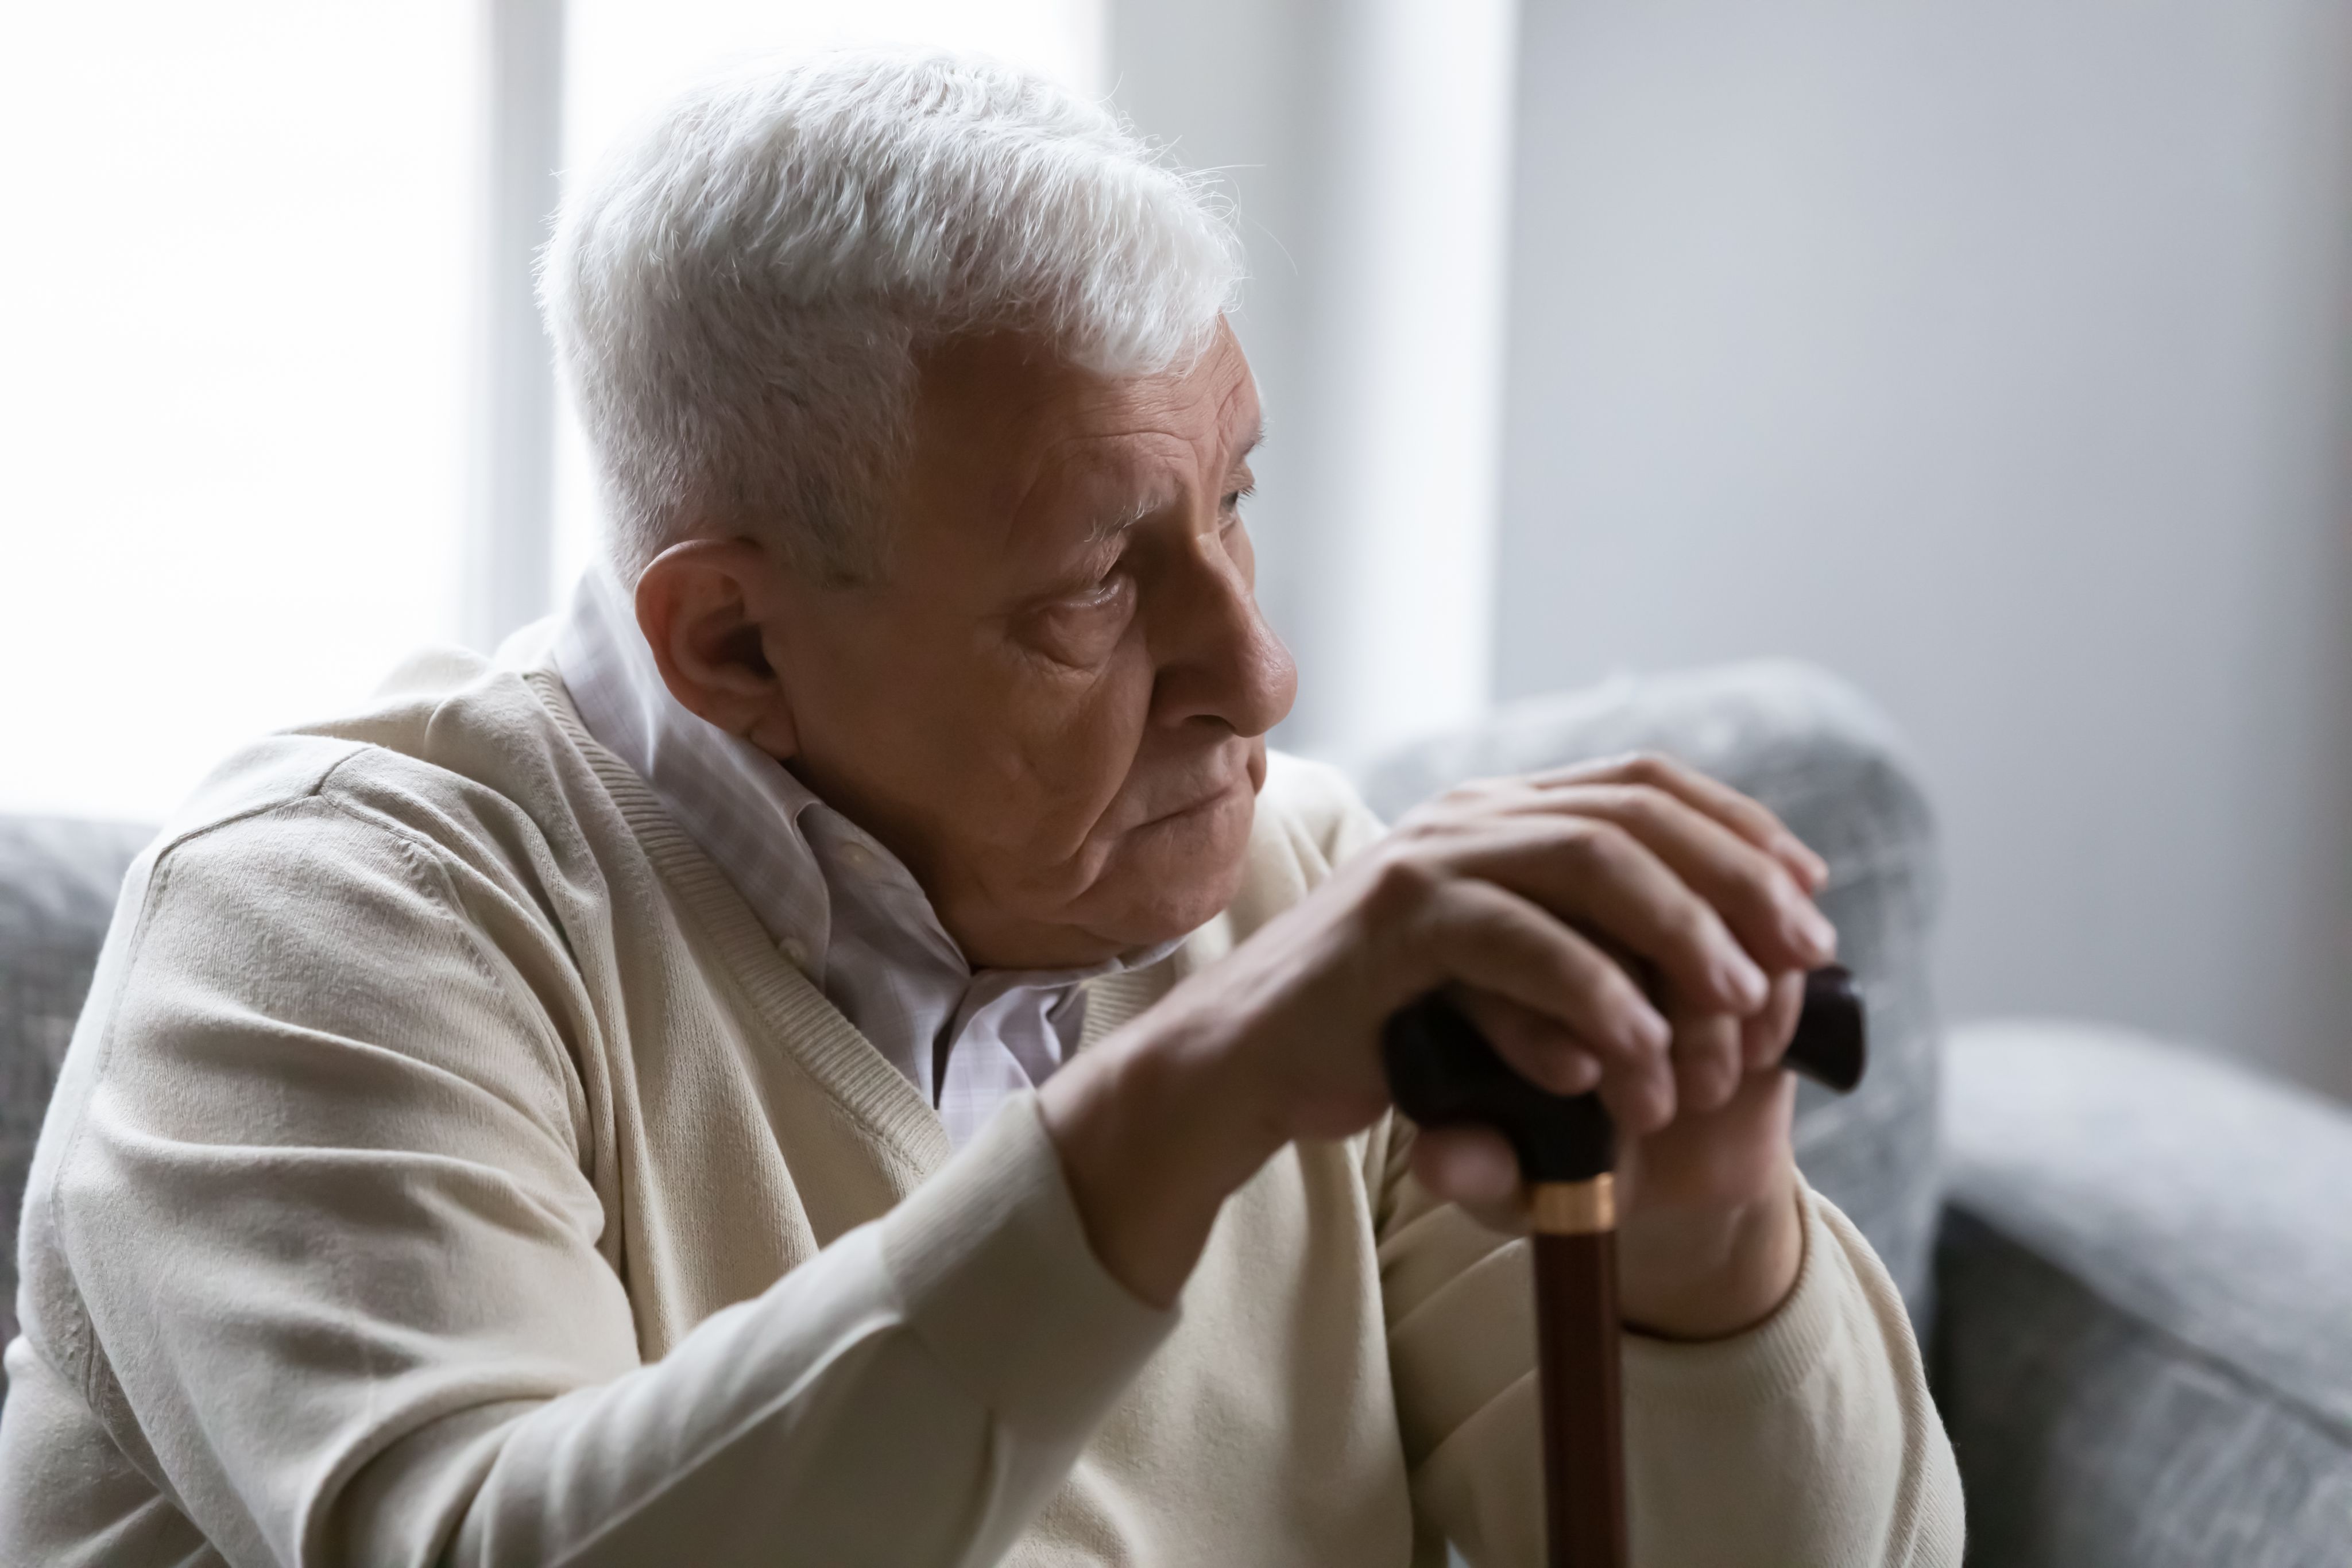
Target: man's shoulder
453,755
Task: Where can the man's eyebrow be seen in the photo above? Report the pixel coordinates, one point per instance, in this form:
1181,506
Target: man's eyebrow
1250,443
1119,522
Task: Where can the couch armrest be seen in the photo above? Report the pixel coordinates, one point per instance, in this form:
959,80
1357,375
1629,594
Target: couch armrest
2144,1331
58,882
1809,746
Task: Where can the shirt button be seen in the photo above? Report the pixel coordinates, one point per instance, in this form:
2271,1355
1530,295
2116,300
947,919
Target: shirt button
795,952
856,857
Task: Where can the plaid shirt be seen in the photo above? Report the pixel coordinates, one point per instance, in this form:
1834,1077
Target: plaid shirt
841,907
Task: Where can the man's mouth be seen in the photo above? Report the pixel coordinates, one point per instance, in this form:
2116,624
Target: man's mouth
1202,803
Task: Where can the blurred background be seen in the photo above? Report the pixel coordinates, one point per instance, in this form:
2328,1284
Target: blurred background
1995,355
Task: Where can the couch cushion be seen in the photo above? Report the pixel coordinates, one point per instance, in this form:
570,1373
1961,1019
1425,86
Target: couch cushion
58,882
1808,746
2144,1346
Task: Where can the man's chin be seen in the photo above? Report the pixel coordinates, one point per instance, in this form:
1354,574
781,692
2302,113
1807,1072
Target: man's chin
1172,877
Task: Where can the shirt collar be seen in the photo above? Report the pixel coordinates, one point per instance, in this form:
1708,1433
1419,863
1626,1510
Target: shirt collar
742,805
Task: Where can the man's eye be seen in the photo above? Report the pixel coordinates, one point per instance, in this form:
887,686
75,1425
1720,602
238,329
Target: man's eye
1083,627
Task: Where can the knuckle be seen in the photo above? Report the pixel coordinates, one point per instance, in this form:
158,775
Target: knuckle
1654,769
1601,848
1763,884
1693,925
1646,802
1402,887
1422,826
1756,810
1472,793
1459,795
1569,971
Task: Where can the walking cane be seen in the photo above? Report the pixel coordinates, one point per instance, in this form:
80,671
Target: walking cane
1442,1071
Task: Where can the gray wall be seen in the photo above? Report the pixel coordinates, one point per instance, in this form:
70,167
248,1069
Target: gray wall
1993,352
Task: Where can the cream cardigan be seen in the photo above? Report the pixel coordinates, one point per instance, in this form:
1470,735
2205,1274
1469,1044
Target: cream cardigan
446,1167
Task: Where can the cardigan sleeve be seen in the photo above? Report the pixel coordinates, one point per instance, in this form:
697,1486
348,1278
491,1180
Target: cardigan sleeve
325,1215
1810,1439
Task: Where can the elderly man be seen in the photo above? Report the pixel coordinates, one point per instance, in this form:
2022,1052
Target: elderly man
846,1048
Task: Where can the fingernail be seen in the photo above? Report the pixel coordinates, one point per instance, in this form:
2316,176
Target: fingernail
1818,934
1657,1109
1648,1031
1743,981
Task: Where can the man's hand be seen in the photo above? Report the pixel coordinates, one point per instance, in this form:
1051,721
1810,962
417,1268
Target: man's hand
1538,900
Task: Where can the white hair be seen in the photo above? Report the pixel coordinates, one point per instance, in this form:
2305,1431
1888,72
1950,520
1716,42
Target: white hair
739,295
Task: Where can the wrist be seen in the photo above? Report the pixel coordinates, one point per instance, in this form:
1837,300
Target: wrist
1710,1273
1156,1126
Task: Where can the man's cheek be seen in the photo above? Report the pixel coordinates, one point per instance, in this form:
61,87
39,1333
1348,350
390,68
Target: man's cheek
1043,797
1086,748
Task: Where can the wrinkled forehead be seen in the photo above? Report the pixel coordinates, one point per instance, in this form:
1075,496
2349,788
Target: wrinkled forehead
1021,422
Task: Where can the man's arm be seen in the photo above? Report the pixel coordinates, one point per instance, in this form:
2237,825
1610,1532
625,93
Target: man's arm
324,1208
1791,1423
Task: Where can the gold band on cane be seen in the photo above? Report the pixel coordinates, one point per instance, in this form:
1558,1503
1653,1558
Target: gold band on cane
1574,1208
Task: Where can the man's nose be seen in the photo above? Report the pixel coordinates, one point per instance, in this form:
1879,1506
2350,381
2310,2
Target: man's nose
1218,658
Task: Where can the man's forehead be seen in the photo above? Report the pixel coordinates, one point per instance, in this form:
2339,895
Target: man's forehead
1147,429
1059,455
1210,403
1150,461
1015,388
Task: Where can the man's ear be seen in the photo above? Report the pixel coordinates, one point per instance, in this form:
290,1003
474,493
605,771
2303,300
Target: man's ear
703,605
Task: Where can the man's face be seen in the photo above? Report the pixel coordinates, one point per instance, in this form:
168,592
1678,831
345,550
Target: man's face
1052,704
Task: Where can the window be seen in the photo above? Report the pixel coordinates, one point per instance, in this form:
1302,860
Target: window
233,307
238,287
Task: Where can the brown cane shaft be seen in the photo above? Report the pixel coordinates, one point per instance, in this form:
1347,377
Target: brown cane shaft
1578,1353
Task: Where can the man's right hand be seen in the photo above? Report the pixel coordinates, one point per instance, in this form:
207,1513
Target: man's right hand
1533,899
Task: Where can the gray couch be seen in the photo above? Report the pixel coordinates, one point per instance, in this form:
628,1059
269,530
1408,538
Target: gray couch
2132,1265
